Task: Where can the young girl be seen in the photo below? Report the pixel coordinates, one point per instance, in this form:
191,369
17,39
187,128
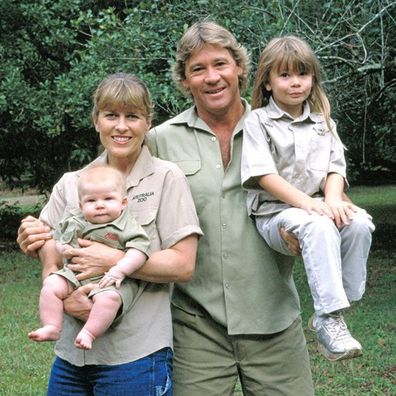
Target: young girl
294,169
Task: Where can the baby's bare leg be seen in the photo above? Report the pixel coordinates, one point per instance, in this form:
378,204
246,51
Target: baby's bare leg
55,289
104,310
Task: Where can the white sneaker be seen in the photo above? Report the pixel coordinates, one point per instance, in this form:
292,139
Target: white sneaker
335,341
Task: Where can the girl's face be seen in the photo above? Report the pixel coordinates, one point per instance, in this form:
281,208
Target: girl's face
290,89
121,132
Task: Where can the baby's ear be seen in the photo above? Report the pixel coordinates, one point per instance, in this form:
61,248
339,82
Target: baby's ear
124,202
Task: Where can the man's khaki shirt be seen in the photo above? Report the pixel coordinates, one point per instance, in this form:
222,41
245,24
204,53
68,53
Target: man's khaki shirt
239,281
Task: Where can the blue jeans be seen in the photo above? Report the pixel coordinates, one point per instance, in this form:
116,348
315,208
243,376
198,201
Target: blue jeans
148,376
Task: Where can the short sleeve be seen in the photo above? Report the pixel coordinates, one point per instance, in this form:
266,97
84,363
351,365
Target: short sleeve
257,159
63,196
177,217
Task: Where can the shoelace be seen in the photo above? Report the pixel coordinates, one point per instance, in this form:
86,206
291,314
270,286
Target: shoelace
337,327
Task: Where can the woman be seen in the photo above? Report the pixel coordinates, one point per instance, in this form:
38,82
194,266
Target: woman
133,357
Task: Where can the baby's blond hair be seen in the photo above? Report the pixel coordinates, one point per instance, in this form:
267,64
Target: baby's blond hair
99,174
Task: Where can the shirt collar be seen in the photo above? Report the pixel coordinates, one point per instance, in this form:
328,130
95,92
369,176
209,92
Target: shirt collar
275,112
143,166
193,121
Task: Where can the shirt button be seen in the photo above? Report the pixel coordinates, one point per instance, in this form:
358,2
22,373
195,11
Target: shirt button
224,225
227,285
213,139
218,166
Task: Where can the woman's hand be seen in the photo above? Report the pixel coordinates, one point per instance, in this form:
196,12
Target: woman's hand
32,234
92,258
291,241
78,304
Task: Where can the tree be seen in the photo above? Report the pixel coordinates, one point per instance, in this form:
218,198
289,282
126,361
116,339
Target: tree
53,53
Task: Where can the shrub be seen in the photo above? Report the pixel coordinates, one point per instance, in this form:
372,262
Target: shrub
10,218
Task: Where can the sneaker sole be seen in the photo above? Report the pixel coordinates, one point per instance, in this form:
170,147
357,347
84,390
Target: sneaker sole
334,357
310,323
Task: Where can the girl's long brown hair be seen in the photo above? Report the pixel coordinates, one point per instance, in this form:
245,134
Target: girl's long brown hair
293,54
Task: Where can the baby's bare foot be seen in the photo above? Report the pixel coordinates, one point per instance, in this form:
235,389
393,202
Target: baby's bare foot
45,333
84,340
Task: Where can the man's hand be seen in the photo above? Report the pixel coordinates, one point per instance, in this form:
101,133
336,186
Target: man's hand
32,234
78,304
291,241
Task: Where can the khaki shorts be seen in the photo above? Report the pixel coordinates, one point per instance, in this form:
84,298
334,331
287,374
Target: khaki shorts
129,290
207,361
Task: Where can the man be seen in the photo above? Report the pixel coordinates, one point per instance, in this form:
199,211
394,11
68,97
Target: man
239,316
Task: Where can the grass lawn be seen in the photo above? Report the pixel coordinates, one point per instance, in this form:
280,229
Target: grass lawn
24,365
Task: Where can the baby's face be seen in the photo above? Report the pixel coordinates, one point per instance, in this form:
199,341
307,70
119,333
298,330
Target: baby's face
101,203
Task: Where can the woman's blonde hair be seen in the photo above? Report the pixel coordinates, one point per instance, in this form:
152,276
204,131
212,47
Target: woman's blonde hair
293,54
208,32
124,90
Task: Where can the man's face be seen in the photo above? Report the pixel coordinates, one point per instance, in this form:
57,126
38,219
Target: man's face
212,78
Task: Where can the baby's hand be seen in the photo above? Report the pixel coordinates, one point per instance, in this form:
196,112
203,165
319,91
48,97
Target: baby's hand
113,276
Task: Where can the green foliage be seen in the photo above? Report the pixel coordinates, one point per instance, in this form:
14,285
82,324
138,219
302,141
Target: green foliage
53,53
11,216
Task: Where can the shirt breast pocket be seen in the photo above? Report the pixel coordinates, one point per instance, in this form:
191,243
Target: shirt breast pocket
106,241
189,167
195,176
146,217
319,157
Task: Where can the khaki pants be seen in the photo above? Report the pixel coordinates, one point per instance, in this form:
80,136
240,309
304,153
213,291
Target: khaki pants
208,362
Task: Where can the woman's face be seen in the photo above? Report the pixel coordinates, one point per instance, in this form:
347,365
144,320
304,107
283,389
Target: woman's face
121,132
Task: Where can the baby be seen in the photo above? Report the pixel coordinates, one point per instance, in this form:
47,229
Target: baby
103,218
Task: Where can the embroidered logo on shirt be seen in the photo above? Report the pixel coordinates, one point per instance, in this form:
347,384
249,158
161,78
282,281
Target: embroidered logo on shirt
143,196
111,236
319,129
